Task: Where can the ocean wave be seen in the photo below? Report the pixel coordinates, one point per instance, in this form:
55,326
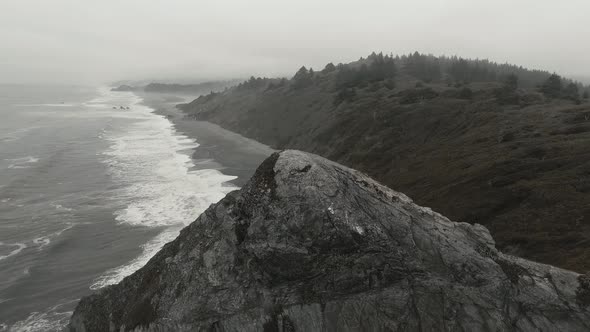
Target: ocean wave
19,248
7,139
112,100
115,275
60,207
23,162
45,105
38,242
53,319
16,134
42,241
148,159
157,182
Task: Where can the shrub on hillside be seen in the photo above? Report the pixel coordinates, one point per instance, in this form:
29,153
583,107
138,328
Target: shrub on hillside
466,93
389,84
329,68
345,94
412,96
303,78
379,68
552,86
571,92
507,94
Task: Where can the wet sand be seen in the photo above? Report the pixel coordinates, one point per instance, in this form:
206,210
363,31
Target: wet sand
218,148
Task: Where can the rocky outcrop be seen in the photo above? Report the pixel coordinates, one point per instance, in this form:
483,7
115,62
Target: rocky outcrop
310,245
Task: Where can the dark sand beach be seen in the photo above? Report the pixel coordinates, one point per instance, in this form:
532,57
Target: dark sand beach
218,148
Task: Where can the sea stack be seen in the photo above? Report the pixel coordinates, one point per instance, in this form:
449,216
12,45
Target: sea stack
310,245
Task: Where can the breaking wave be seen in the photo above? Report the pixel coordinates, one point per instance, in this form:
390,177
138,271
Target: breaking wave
151,162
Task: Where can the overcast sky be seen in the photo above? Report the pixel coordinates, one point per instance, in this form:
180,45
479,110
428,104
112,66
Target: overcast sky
83,41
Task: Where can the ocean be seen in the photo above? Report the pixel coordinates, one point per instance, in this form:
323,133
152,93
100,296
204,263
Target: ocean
89,192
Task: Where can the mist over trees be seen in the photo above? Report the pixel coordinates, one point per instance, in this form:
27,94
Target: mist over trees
253,83
451,70
303,78
376,68
556,87
456,69
417,70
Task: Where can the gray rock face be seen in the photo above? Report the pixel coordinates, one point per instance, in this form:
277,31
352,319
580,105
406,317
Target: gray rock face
310,245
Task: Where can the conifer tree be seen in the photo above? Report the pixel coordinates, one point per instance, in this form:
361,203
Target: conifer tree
552,86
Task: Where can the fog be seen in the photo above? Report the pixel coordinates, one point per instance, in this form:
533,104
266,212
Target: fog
73,41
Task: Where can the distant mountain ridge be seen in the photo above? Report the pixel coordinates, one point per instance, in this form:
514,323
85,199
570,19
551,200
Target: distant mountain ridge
204,87
185,89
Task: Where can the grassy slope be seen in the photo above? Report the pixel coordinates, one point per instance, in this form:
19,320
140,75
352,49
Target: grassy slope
521,170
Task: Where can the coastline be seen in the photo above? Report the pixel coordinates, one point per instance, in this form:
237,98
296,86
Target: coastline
219,148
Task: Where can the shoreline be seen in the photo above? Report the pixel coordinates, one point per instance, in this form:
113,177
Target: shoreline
219,149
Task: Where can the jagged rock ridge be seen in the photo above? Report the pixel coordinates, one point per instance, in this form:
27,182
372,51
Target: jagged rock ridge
310,245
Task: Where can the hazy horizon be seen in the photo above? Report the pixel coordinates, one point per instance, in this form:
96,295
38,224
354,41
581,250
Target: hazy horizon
70,42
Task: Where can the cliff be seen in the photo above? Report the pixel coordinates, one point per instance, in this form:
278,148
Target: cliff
513,161
310,245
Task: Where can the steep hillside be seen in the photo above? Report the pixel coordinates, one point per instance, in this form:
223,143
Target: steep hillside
489,149
309,245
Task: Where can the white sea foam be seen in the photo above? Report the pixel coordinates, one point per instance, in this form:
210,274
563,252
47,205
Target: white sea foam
23,162
16,134
149,250
60,207
158,186
27,159
42,241
18,248
53,319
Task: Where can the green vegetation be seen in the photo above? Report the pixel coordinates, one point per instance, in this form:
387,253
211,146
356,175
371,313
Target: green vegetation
329,68
554,87
376,68
508,94
254,83
571,92
303,78
481,142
